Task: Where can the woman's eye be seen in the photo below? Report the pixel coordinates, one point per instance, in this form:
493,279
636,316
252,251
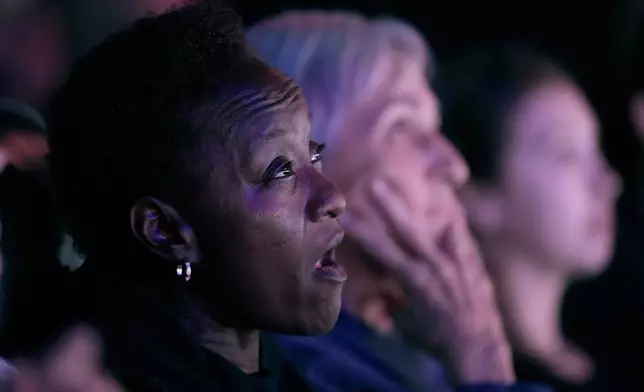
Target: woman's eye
286,170
316,156
403,125
280,168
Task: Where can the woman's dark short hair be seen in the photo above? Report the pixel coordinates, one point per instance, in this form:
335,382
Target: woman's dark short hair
132,118
477,91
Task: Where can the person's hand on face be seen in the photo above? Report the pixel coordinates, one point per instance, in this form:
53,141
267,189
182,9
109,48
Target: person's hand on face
25,150
451,310
72,366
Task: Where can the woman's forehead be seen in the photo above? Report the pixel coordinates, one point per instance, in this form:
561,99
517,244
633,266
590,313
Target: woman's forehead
289,123
239,114
554,106
266,94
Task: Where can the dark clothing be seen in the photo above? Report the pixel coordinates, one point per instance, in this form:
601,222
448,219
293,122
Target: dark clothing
605,316
354,358
147,347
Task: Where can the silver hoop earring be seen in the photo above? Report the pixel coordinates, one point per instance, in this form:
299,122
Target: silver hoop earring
184,269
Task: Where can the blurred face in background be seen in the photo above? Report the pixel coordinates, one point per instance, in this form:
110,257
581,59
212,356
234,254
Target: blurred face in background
394,136
34,50
557,192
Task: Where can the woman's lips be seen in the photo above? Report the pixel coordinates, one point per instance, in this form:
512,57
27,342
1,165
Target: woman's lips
327,269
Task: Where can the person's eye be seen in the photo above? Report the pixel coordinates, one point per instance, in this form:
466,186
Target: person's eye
400,125
316,156
279,169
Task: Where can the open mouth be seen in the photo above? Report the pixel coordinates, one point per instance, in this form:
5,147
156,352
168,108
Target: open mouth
327,269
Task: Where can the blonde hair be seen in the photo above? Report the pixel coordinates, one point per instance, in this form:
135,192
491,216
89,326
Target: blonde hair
335,57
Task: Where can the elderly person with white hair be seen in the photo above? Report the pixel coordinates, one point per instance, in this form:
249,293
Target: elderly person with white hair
415,274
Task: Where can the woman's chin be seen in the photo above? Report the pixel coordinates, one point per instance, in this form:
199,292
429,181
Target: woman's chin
591,267
316,322
322,328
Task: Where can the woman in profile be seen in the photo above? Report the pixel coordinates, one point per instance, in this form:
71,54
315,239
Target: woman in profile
189,179
541,198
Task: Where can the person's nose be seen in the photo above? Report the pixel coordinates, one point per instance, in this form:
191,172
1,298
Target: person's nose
608,184
326,200
446,162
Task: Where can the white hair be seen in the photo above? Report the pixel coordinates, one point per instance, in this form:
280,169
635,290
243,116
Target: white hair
335,57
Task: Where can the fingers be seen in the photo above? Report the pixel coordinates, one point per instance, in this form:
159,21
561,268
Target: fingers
572,364
445,276
75,364
393,210
435,292
375,239
480,296
25,149
432,262
29,380
465,261
80,345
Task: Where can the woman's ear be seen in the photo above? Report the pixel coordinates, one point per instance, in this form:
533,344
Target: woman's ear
484,207
159,227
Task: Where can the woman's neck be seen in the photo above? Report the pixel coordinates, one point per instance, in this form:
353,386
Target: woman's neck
529,298
239,347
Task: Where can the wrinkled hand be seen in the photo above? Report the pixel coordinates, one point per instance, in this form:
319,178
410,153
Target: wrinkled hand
24,149
72,366
452,310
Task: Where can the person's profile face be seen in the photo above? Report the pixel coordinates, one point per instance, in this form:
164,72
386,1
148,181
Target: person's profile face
559,191
283,225
396,133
